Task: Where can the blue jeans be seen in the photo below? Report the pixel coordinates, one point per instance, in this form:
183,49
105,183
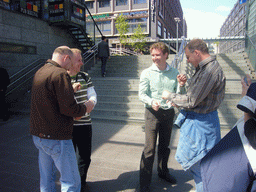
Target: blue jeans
198,135
196,172
58,154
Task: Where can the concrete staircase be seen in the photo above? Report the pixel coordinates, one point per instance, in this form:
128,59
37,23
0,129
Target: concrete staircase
235,66
118,91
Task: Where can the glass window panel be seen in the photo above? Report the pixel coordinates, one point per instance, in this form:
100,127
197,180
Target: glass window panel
89,4
159,28
121,2
104,3
139,1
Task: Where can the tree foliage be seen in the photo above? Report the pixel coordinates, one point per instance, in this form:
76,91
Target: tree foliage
122,28
138,39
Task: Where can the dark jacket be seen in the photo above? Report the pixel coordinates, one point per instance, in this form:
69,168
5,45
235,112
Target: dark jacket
103,49
52,103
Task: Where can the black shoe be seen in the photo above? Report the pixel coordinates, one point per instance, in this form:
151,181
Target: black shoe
167,177
103,74
85,188
6,117
143,189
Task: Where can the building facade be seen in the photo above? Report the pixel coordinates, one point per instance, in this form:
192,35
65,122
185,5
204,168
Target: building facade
250,42
156,17
28,32
235,25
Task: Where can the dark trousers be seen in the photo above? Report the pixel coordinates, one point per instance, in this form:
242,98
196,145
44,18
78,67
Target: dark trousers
82,141
103,64
156,123
3,106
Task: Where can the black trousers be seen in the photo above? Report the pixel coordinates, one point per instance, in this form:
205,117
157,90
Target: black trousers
103,64
157,123
3,105
82,141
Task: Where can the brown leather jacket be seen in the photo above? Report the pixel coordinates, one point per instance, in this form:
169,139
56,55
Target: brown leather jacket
52,103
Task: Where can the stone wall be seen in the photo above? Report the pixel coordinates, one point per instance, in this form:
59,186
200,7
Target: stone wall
26,30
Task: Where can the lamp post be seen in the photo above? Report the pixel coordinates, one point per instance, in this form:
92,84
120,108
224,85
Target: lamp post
177,20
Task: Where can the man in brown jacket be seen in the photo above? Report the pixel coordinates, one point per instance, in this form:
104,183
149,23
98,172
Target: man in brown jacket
53,108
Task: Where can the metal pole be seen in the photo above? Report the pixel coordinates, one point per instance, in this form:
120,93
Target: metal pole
177,20
177,43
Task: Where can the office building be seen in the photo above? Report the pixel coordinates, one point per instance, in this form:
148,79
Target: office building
156,17
235,25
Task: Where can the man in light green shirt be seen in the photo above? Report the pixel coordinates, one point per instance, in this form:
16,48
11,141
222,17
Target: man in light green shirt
158,114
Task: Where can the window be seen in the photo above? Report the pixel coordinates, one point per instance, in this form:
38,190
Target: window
121,2
241,24
165,33
139,1
89,4
28,7
161,7
104,25
104,3
17,48
159,28
134,23
241,13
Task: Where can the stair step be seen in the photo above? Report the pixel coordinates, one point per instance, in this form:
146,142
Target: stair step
127,120
118,92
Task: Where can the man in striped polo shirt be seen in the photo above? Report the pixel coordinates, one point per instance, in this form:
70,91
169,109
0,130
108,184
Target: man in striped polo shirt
82,132
198,121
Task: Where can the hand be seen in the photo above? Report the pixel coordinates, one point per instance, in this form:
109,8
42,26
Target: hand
182,79
89,106
76,87
169,103
165,95
77,118
155,105
244,85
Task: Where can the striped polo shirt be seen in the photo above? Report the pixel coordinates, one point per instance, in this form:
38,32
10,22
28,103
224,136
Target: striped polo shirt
81,96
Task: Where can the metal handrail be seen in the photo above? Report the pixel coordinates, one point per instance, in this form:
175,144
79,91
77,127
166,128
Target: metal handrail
25,68
179,56
254,46
95,24
91,53
122,51
93,20
24,75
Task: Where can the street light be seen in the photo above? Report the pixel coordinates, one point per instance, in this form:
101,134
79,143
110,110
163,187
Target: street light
177,20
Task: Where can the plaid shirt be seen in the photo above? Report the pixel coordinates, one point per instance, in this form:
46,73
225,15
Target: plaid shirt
206,90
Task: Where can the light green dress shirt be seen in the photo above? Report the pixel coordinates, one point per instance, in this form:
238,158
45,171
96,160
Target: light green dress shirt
154,81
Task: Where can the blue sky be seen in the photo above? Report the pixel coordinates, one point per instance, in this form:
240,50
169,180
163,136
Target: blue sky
205,17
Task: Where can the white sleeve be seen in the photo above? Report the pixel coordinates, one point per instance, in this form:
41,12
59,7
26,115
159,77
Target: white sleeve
92,95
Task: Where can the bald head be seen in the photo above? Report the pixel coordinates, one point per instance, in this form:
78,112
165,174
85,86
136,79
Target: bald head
63,56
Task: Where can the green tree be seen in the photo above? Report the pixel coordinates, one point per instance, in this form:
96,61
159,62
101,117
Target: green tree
122,28
138,39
